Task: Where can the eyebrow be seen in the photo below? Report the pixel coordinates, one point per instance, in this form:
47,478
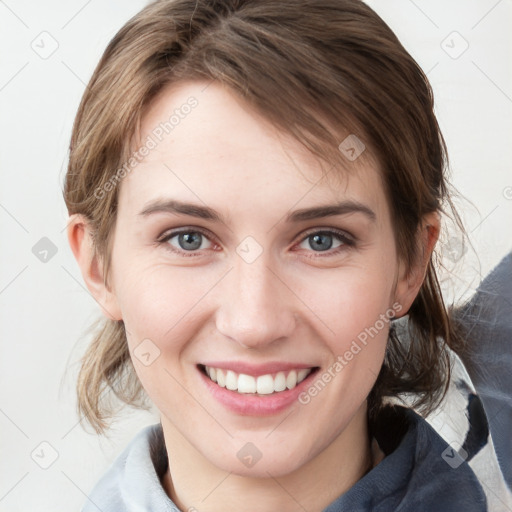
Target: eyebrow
205,212
342,208
174,206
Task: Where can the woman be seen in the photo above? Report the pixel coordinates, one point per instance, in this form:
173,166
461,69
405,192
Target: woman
255,191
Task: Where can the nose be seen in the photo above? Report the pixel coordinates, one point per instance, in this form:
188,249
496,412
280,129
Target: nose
257,307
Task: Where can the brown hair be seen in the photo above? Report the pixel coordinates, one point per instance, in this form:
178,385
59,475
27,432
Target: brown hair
307,66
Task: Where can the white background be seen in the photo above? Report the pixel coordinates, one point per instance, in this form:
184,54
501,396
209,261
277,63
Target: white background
45,308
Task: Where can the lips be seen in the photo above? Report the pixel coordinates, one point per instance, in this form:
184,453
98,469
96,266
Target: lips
255,404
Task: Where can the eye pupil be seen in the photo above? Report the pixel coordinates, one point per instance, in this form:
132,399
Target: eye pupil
321,242
190,241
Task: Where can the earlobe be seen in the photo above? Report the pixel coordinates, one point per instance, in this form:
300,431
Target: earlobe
81,243
410,280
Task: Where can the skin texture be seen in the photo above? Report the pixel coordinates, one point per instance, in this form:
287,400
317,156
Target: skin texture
292,303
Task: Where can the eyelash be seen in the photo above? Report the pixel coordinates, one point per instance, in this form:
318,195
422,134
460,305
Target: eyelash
347,241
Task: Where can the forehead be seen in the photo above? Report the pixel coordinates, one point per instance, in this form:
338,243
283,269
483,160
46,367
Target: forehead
208,143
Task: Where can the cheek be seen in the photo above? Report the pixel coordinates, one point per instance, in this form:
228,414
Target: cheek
161,308
160,302
349,301
354,308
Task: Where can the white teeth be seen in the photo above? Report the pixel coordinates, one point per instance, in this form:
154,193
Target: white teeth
302,374
246,384
231,380
280,382
291,380
221,379
263,385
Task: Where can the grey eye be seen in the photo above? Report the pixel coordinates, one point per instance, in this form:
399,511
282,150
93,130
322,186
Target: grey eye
321,242
189,240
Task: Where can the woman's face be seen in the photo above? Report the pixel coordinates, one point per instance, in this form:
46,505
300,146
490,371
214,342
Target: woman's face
277,267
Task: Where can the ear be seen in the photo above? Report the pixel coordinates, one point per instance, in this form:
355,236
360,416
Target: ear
409,281
81,243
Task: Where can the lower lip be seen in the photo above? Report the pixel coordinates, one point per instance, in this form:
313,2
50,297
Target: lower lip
256,405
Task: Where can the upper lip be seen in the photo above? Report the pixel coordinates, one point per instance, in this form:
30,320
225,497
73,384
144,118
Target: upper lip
257,369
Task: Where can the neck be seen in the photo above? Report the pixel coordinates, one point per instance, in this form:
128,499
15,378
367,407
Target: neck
193,483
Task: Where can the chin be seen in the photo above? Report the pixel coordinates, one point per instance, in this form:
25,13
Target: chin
249,461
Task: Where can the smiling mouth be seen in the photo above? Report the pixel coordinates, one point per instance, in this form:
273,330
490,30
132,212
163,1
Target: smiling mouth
268,384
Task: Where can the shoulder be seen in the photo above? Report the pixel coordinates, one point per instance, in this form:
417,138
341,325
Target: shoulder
487,321
415,473
475,418
462,422
133,481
